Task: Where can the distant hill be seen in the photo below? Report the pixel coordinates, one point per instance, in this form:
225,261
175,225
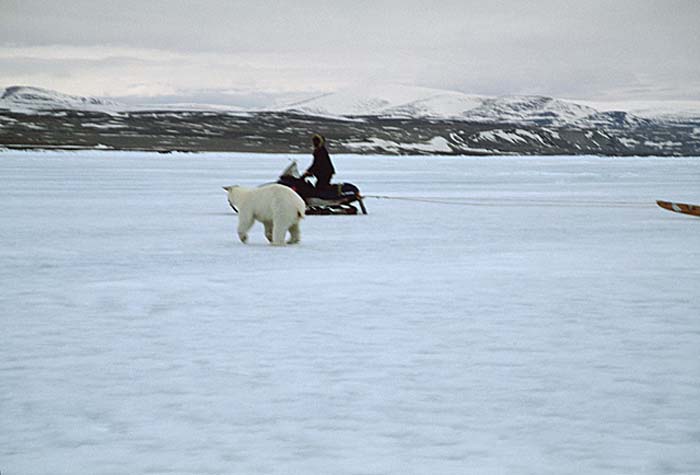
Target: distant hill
35,98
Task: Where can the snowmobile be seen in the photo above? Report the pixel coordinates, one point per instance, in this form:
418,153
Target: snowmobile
337,199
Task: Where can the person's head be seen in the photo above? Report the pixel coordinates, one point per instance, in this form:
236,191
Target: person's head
317,140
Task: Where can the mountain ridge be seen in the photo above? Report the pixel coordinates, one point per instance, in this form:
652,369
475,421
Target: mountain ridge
395,121
392,101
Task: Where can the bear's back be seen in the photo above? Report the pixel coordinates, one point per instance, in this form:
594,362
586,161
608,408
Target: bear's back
275,197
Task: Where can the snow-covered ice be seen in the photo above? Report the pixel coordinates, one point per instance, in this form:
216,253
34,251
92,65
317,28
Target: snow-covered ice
528,316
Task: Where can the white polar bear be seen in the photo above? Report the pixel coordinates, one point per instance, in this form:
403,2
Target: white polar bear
278,207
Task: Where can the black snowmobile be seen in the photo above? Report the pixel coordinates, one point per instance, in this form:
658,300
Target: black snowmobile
337,199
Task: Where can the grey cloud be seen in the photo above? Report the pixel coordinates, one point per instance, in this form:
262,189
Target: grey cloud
545,46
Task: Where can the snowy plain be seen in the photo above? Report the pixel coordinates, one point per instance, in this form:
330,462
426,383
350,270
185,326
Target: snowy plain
524,315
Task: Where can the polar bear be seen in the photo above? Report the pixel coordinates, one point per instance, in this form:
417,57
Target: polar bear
278,207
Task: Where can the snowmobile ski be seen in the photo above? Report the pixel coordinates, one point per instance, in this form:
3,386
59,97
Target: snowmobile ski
683,208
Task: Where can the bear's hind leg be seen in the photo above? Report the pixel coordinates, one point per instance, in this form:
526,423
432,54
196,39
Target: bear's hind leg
278,233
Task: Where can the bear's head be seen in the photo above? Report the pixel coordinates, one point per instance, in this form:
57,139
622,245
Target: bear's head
231,191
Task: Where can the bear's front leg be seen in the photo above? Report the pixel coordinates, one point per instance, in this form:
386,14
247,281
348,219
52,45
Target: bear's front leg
245,222
268,230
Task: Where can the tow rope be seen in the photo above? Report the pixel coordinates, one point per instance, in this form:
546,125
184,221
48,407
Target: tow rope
515,202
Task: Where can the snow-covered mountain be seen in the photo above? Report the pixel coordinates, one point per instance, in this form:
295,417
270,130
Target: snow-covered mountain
30,99
417,102
397,101
388,101
665,111
403,101
35,98
536,110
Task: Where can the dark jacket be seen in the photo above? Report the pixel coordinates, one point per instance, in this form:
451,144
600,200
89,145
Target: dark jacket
321,168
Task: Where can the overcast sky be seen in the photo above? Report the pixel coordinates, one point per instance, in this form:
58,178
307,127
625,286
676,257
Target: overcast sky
251,51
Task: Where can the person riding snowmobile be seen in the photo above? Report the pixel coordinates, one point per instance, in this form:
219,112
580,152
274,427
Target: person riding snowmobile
321,168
